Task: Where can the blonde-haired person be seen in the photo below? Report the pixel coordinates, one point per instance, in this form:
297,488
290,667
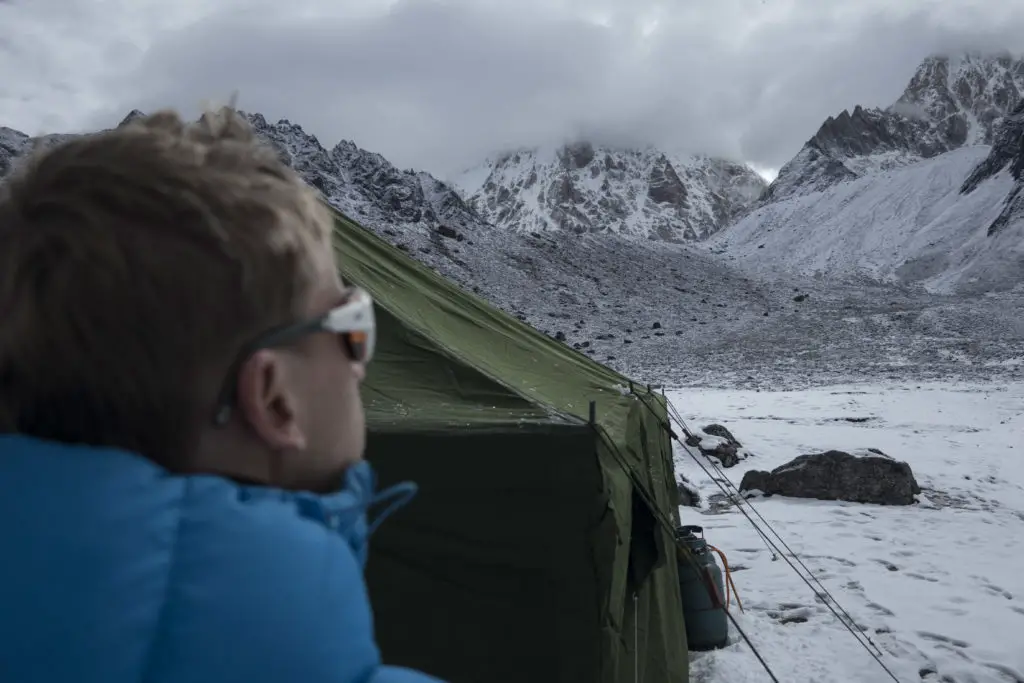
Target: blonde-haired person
182,490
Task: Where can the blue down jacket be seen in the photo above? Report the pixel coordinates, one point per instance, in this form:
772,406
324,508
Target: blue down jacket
114,571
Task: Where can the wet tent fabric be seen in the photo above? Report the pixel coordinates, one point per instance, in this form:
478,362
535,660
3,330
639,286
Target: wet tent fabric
532,551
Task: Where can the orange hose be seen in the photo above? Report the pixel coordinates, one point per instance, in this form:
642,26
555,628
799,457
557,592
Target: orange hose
728,580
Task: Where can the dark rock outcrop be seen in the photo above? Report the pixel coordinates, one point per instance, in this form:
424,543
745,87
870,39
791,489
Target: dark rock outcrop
664,185
1007,151
718,442
688,493
872,477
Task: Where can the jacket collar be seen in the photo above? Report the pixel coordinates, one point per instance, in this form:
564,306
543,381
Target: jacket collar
347,511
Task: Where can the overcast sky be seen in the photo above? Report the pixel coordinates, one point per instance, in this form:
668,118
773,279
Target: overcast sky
439,85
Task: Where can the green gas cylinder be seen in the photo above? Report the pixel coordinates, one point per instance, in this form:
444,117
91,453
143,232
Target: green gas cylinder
702,591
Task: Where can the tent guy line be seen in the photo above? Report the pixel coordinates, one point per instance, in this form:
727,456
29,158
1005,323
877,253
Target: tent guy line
736,497
875,653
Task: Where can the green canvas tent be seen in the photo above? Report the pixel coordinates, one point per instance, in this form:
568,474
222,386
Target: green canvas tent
531,552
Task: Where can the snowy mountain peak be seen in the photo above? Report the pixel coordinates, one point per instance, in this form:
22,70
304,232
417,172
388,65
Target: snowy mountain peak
582,187
132,115
966,93
949,102
945,214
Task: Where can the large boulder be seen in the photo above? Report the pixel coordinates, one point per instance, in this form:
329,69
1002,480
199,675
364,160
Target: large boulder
862,477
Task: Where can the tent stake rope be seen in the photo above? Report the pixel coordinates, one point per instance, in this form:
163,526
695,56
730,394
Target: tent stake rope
667,525
636,638
848,622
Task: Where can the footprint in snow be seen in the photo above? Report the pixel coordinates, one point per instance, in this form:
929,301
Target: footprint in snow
1015,675
945,640
792,614
955,611
991,587
881,609
841,560
996,590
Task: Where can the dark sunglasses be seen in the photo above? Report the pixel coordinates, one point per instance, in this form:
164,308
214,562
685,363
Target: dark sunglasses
352,321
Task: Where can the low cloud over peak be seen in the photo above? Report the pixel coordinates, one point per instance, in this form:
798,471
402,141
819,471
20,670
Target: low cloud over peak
440,85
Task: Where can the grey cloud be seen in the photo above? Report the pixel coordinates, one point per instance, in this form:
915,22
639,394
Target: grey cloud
439,86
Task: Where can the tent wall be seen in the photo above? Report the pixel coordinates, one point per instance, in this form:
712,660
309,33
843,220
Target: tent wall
490,574
465,328
411,379
664,652
643,464
452,362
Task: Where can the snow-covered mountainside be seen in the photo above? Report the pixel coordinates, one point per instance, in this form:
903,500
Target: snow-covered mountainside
949,102
910,225
14,143
583,188
658,311
933,201
369,188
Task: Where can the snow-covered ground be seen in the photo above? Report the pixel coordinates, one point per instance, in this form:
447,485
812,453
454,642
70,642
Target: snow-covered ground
938,586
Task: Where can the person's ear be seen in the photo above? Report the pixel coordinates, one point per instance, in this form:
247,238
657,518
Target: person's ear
268,401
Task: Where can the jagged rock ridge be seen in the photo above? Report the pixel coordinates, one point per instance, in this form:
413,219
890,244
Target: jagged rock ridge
948,103
587,188
411,205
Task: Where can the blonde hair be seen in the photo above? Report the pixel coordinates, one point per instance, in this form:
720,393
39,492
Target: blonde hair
135,261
